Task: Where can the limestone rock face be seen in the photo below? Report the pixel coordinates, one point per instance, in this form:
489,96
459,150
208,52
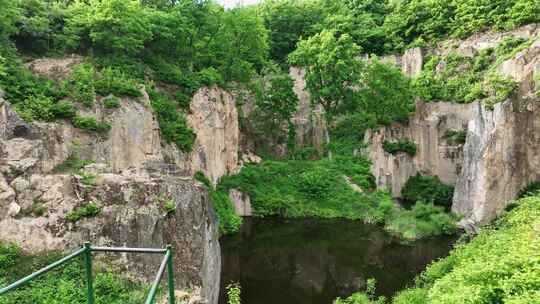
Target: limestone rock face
242,202
435,155
412,62
501,153
309,121
135,172
132,215
214,119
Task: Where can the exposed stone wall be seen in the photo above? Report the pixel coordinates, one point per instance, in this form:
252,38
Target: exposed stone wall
136,172
214,119
435,156
308,120
501,153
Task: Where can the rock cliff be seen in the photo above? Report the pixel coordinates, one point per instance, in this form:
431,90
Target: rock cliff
435,156
132,176
501,153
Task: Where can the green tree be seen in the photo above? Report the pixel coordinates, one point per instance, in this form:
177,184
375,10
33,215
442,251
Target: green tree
388,103
333,69
116,26
288,21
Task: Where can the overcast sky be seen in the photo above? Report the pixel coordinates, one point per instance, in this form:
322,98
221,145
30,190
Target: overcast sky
233,3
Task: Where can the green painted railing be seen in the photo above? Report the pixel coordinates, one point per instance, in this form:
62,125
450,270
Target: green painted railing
87,250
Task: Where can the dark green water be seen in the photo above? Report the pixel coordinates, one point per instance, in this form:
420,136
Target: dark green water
314,261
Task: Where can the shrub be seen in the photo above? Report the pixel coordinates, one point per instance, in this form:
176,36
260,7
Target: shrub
531,189
64,110
500,265
36,107
427,189
90,124
455,137
172,124
363,298
114,81
111,102
90,209
80,85
320,188
64,284
72,164
203,179
423,220
229,221
402,145
233,294
169,206
9,253
38,208
499,89
210,76
88,179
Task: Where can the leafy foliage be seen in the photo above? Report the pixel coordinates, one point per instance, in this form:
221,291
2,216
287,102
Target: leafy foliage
455,137
308,189
421,188
229,222
462,79
90,124
402,145
62,285
233,294
423,220
331,70
89,209
111,102
500,265
531,189
172,123
363,298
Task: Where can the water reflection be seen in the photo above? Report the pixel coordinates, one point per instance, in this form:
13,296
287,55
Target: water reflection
314,261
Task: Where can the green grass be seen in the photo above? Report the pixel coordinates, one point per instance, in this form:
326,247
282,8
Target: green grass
65,284
319,189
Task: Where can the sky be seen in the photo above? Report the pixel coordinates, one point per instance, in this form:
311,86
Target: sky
233,3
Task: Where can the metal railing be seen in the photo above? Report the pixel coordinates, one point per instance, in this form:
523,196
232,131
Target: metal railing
87,250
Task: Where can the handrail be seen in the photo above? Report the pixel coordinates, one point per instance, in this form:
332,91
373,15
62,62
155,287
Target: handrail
87,250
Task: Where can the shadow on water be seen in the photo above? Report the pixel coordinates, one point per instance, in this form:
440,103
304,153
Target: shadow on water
313,261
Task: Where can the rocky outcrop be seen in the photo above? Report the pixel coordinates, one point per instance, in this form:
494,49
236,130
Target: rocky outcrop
435,154
133,175
242,202
214,119
132,215
309,122
501,153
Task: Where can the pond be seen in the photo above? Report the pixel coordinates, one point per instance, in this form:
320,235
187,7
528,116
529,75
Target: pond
313,261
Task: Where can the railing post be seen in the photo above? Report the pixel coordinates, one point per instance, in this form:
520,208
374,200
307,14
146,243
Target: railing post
170,275
88,267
